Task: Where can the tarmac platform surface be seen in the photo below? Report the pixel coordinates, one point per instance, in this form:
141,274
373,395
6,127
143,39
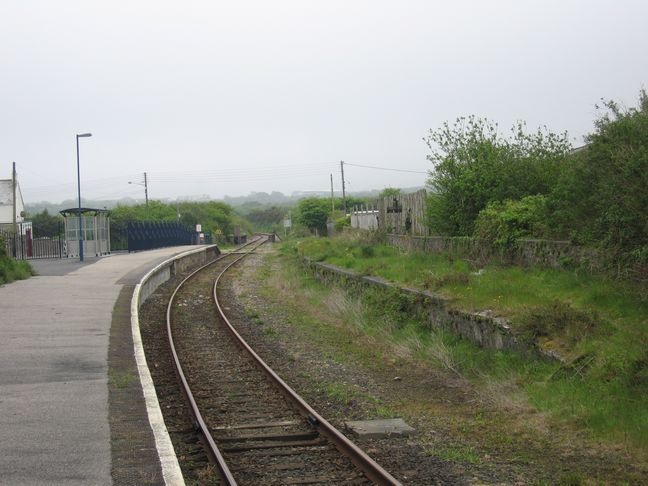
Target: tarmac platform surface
54,339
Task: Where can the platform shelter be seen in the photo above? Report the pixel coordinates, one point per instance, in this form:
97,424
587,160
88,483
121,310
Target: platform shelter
95,225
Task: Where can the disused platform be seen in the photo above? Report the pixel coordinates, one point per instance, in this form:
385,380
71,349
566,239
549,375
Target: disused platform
71,406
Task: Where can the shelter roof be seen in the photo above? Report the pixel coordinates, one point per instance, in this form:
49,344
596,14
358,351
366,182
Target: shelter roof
75,211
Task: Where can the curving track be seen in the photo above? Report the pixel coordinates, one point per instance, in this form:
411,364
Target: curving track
255,428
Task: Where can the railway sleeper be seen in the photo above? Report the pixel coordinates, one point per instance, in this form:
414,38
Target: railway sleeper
325,480
275,445
260,425
272,437
260,454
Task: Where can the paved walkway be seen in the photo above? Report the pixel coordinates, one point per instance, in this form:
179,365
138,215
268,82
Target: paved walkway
54,336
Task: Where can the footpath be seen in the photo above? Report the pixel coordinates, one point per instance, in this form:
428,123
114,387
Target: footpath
55,422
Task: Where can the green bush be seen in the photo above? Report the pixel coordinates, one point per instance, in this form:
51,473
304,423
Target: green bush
343,222
501,223
600,196
313,213
474,165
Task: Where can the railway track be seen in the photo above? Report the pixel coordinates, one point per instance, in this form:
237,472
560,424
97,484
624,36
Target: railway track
255,429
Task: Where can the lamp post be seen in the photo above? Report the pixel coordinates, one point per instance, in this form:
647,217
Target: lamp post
145,188
79,190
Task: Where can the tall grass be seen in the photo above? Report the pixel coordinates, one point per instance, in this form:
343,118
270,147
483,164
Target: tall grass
601,324
11,270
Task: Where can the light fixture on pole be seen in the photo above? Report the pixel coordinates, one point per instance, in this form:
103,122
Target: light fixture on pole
145,188
79,189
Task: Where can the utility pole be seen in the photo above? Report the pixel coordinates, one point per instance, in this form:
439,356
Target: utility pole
146,189
15,225
343,188
332,197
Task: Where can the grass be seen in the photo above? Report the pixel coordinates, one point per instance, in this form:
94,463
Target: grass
457,453
503,289
11,270
599,324
254,316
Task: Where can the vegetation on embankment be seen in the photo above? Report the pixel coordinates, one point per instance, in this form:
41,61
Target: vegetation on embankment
601,325
11,269
216,218
500,188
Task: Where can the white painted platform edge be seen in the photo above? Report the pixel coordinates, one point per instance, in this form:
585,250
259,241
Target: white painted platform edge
166,453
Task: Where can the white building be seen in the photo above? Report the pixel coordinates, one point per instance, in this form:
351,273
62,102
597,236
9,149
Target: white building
6,202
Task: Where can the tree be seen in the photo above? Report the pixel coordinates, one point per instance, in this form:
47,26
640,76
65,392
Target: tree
602,196
474,165
211,215
389,192
46,225
351,202
267,218
313,213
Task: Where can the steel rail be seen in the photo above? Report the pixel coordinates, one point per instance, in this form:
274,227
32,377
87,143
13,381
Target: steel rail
212,449
360,458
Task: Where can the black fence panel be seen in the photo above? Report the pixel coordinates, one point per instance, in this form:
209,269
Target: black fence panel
118,237
146,235
24,246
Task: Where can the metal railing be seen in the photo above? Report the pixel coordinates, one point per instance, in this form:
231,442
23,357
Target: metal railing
22,245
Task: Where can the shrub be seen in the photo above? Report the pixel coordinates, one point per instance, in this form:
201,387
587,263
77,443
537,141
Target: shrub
474,165
343,222
313,213
501,223
600,196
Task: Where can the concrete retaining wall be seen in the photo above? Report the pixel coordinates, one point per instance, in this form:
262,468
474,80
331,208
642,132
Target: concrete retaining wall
481,329
545,253
178,264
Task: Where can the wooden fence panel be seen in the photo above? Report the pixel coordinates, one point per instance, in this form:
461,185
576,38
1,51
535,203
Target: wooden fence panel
404,213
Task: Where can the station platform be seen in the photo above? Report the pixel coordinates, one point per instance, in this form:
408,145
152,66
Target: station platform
57,355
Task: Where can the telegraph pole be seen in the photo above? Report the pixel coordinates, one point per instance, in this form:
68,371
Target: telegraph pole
343,188
13,220
332,197
146,189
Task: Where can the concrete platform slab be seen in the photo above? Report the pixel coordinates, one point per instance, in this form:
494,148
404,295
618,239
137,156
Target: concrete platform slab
54,335
378,429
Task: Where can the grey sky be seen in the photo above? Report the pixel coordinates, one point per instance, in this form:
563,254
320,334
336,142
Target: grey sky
226,98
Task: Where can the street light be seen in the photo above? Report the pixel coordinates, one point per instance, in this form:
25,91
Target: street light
145,188
79,188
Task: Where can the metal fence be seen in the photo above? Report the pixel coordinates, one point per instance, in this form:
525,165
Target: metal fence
146,235
22,245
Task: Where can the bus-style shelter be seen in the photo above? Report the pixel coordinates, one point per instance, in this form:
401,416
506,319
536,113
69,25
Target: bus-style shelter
96,231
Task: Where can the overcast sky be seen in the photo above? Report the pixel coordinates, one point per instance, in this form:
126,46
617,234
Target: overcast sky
230,97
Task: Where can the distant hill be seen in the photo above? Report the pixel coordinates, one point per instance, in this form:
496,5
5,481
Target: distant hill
278,198
252,200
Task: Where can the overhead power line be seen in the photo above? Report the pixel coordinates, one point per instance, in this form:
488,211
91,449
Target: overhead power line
386,168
